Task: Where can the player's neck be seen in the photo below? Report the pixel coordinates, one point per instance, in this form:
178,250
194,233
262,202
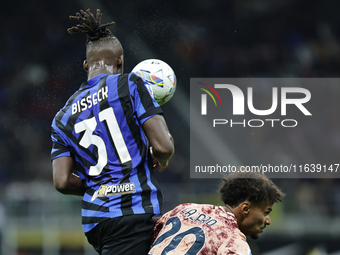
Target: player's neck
100,67
96,73
228,208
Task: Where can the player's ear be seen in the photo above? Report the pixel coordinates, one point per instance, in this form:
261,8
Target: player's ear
120,64
245,208
86,66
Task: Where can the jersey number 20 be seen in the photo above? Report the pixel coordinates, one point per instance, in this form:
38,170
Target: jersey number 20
176,239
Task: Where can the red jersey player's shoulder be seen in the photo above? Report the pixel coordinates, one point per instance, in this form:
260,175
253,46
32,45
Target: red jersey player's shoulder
202,213
193,205
237,244
207,209
181,207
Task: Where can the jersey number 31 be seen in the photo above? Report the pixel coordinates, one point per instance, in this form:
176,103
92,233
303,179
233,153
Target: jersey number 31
89,125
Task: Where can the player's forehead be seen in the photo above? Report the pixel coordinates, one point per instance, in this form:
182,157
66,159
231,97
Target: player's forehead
264,205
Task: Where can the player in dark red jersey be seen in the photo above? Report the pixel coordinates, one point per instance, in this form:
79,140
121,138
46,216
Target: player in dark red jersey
208,229
101,147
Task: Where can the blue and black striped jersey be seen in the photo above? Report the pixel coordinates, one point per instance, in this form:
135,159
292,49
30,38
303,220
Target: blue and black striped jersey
101,128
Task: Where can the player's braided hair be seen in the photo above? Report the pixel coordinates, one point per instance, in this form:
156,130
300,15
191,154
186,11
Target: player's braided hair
253,187
91,25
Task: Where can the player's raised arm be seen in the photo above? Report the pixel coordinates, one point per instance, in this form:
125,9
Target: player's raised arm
63,178
162,142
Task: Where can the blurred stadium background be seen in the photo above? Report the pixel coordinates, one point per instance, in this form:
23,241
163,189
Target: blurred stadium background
41,65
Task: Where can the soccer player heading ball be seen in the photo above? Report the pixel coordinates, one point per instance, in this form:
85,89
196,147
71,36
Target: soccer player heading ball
208,229
101,146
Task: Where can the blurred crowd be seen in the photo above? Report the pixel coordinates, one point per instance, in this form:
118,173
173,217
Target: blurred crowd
41,66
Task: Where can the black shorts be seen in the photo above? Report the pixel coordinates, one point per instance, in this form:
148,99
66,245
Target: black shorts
126,235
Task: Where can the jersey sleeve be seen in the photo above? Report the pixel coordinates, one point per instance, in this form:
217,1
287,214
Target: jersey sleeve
145,105
59,146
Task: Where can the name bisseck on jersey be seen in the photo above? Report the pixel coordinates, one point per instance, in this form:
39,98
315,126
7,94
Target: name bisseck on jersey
89,101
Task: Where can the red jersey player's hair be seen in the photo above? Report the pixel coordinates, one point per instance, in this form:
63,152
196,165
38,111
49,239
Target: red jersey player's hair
98,35
254,187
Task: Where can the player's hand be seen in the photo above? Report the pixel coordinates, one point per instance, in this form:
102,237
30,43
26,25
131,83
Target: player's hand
160,166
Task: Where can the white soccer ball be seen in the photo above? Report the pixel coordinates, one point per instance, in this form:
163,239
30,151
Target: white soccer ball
160,78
